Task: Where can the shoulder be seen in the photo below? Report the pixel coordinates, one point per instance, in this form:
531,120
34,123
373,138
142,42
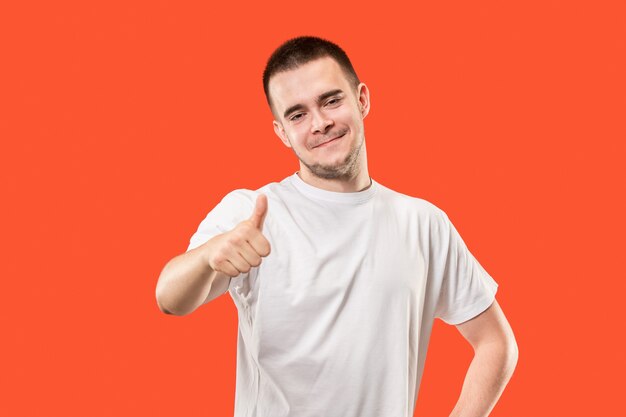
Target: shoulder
244,199
239,196
248,196
417,205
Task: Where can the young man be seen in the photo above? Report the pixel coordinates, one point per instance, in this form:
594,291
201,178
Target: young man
337,279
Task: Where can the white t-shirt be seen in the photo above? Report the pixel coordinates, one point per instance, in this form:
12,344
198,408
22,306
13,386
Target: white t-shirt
335,322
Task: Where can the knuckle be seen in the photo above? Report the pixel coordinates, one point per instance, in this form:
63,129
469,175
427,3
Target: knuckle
233,240
218,258
244,227
219,268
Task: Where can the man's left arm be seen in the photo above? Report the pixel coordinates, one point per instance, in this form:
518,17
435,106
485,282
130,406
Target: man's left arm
495,357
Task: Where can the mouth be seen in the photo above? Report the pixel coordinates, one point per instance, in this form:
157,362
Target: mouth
330,141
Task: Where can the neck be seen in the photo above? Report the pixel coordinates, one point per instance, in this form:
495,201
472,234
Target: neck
361,181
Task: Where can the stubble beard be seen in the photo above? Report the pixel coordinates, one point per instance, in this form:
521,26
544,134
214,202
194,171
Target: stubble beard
345,170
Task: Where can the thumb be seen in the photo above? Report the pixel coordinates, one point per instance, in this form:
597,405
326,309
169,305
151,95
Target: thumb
260,211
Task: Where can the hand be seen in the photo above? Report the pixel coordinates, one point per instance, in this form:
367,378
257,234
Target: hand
238,250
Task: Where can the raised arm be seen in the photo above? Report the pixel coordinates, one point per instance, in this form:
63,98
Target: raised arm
201,274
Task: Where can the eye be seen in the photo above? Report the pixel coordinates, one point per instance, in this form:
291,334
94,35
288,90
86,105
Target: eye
333,101
296,117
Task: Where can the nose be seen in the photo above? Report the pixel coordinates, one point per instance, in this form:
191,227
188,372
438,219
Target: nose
320,122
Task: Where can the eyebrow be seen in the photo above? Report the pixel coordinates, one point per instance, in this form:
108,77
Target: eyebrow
320,98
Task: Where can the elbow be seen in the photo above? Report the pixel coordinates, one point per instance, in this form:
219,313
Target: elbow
160,295
163,309
166,309
171,311
514,354
510,362
512,348
504,352
510,355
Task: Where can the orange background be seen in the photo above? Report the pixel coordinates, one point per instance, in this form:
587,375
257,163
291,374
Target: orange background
123,123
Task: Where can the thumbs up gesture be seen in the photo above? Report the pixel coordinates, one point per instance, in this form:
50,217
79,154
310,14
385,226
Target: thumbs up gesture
259,213
240,249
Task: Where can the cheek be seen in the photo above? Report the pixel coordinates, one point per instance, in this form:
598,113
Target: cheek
350,116
297,136
300,129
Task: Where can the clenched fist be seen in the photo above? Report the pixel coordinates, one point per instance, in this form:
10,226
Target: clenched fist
240,249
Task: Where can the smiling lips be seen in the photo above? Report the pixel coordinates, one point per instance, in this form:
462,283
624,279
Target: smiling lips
330,140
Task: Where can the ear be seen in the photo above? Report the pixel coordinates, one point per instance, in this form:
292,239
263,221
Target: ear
280,132
363,95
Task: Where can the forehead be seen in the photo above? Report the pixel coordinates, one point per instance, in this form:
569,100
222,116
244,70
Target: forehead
305,83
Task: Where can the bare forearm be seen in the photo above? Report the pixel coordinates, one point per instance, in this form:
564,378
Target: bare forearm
487,376
184,283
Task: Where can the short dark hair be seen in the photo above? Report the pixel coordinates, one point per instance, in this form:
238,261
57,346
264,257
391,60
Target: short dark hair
298,51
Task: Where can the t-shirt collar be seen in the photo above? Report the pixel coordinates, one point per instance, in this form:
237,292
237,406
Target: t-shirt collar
315,193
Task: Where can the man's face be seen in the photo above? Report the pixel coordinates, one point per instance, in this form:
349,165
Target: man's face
319,114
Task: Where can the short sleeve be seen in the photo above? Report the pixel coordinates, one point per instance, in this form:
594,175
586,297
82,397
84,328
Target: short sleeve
466,288
235,207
